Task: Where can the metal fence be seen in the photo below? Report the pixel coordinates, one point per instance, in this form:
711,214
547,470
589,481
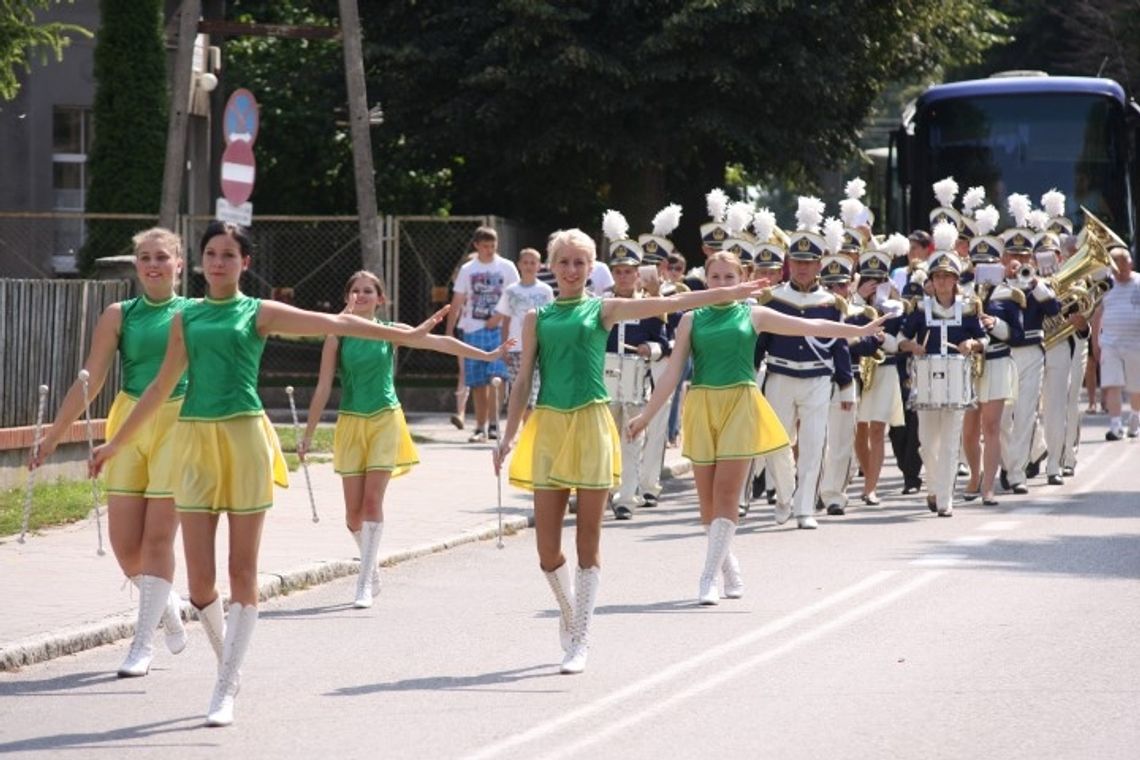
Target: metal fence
45,333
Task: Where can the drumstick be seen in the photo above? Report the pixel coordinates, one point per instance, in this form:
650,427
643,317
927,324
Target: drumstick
495,383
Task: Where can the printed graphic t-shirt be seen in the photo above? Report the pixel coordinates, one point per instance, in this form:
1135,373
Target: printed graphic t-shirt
517,300
483,286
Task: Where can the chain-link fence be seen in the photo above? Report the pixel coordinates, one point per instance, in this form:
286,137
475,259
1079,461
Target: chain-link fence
55,244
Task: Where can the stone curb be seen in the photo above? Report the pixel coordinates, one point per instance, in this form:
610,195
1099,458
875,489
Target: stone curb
48,646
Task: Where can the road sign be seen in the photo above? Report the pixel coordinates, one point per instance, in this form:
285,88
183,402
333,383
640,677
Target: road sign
241,119
242,214
238,171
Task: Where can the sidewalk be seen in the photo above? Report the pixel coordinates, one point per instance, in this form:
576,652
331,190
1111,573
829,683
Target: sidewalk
59,597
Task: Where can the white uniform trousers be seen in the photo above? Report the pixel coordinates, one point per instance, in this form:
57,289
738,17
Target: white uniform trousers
1076,382
758,463
653,458
1018,418
625,495
840,448
939,435
804,401
1055,402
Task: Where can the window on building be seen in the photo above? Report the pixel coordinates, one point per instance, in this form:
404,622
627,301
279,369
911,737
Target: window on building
71,142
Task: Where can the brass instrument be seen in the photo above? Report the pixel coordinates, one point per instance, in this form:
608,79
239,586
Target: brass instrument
1074,284
868,365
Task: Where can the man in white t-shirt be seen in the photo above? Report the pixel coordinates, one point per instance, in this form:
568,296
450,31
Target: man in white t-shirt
478,288
1117,325
525,295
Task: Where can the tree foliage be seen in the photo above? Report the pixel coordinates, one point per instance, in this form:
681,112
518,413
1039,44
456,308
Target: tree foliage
129,148
21,36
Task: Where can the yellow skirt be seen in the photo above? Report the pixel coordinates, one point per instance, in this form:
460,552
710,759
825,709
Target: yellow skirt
578,449
378,442
228,465
145,465
729,423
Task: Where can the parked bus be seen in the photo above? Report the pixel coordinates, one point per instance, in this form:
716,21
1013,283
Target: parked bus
1023,132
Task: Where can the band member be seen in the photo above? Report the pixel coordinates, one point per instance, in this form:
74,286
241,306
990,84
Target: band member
836,275
371,444
911,284
229,454
140,511
801,369
727,420
713,234
997,385
570,442
880,401
1026,349
633,345
945,321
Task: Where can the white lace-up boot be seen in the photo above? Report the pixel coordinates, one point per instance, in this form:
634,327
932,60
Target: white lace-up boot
720,531
172,626
585,596
239,630
375,569
370,533
563,587
153,593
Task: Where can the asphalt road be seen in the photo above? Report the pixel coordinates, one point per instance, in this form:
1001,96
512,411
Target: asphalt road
1004,632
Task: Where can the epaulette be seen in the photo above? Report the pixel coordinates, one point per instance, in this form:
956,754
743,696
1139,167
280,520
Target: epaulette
870,313
764,296
1017,295
972,306
841,304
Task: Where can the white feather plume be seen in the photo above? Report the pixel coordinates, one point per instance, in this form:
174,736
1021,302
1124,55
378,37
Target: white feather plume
738,217
855,188
1053,202
896,245
945,234
614,225
1018,205
717,202
809,213
764,224
667,220
1038,220
946,190
973,198
850,209
833,234
986,220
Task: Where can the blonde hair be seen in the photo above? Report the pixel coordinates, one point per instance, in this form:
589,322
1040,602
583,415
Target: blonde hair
726,256
560,240
171,242
530,252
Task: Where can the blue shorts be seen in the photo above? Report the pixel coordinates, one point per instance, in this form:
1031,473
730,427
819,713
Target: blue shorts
478,373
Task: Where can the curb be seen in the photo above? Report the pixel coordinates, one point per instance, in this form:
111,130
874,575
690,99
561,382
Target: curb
71,640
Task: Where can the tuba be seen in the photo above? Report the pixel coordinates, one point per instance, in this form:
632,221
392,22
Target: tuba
1076,288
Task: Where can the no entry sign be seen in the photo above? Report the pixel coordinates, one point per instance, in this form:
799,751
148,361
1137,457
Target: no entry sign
238,172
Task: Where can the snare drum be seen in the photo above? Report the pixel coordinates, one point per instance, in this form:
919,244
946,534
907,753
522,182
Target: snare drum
941,382
627,379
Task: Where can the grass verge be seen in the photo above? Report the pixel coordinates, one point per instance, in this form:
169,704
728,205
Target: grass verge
58,503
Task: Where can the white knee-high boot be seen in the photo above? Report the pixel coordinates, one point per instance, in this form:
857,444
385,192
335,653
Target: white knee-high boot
153,595
239,630
733,580
370,533
721,531
585,596
563,587
175,631
375,569
213,620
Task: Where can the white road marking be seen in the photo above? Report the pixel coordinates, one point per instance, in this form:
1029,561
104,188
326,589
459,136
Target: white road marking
638,688
973,540
1000,525
595,734
938,559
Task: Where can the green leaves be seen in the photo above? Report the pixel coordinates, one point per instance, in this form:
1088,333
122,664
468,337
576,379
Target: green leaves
21,36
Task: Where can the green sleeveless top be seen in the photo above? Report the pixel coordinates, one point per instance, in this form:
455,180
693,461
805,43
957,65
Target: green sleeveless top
143,335
723,343
224,350
571,354
365,370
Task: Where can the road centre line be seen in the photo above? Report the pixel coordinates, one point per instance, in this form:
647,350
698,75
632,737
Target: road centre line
597,734
638,688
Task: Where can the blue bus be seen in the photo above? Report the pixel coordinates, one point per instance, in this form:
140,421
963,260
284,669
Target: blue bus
1023,132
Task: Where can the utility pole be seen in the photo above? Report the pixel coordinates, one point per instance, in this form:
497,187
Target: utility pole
178,123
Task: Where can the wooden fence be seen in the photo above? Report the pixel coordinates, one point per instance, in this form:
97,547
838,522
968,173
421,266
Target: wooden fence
45,333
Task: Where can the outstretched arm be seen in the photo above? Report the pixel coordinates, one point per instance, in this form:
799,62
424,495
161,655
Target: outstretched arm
283,319
520,389
104,343
320,393
770,320
445,344
667,383
616,310
159,390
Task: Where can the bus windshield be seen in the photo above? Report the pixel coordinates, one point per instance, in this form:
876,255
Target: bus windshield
1030,144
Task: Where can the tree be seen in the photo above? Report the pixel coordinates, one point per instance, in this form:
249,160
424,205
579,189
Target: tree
129,148
560,109
21,36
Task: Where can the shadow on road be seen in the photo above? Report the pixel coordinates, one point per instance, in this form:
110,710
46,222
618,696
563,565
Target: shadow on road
103,739
457,683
